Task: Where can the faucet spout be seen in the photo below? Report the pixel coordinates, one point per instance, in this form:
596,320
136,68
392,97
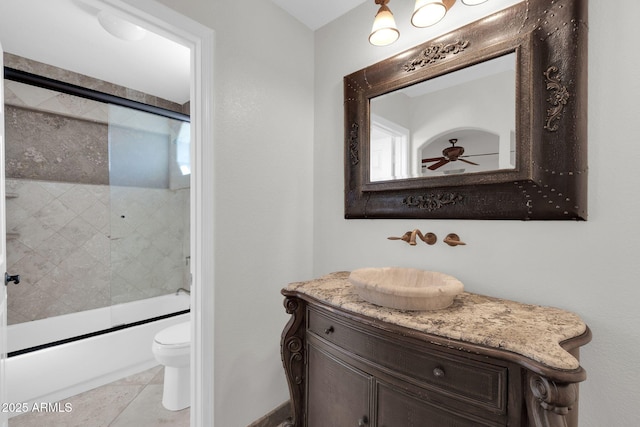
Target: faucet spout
412,239
186,291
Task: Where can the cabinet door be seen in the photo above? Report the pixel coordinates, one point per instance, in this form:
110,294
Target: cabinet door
397,409
337,394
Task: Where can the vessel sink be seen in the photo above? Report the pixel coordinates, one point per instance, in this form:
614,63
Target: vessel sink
406,288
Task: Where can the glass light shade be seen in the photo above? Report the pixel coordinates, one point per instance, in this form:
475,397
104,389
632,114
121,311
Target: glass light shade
120,28
473,2
384,30
428,12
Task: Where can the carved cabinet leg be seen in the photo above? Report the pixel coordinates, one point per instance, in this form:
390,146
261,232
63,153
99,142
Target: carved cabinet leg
292,353
549,403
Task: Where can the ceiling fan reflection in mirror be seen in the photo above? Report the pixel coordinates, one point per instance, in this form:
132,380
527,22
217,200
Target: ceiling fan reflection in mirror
450,154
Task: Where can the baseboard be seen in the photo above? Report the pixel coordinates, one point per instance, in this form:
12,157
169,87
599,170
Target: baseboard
274,418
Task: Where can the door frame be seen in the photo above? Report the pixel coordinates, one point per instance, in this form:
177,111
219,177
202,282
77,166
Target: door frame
201,41
4,416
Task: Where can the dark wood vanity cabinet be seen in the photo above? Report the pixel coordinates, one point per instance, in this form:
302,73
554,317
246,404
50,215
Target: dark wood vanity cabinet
336,385
345,369
360,376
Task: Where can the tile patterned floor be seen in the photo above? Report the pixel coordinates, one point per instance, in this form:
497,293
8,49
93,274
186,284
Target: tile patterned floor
134,401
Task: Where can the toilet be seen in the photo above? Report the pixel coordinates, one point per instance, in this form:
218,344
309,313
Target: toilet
172,348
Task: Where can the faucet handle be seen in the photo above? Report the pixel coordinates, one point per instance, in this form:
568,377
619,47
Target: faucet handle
453,239
406,237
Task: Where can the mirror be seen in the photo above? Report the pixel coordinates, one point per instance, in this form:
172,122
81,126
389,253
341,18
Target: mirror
485,122
460,122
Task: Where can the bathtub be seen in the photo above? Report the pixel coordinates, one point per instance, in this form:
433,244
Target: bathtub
60,371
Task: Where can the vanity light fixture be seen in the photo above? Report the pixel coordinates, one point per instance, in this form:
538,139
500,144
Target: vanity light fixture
384,31
429,12
425,14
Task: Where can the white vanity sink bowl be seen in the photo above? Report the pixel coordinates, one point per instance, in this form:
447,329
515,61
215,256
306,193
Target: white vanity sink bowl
406,288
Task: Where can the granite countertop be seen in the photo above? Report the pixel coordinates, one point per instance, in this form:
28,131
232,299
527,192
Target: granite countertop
532,331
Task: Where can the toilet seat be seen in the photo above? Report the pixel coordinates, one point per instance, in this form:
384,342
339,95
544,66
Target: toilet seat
175,336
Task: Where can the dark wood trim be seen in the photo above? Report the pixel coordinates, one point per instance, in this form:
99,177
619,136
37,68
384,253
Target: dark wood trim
293,357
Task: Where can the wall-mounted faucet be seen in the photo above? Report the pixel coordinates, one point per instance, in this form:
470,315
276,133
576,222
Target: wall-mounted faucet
410,237
452,239
186,291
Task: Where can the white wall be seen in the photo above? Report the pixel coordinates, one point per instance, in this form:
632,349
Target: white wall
590,267
263,171
264,86
488,107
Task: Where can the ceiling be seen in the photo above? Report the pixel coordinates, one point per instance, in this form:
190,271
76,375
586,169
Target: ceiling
74,40
315,14
66,34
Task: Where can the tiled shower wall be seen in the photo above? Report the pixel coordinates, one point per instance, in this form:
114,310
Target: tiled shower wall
77,242
80,246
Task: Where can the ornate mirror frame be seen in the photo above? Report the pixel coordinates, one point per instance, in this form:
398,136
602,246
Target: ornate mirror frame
549,181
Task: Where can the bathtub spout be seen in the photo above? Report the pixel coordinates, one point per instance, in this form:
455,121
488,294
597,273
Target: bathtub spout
186,291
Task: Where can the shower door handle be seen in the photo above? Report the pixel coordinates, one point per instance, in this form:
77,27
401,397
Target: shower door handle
11,278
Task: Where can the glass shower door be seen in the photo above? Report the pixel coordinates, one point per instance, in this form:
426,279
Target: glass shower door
149,180
97,213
